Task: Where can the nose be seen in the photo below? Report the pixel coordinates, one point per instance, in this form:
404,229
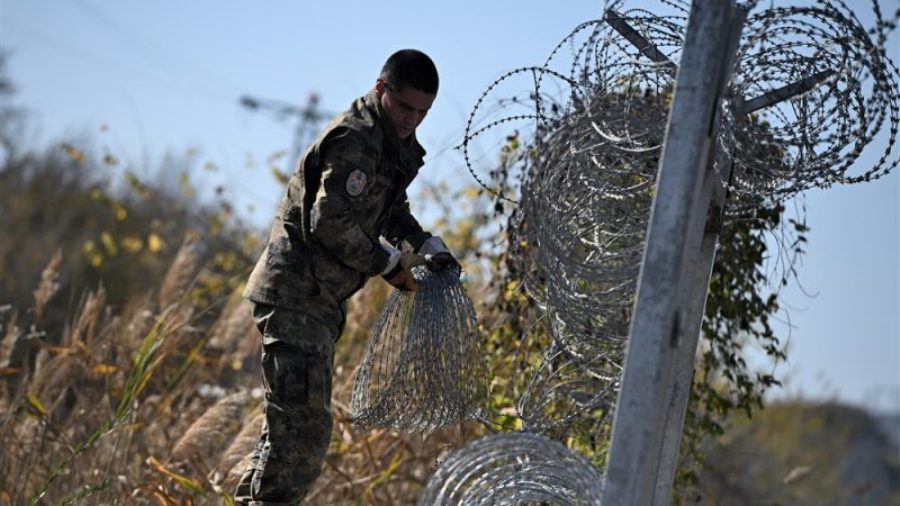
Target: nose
416,118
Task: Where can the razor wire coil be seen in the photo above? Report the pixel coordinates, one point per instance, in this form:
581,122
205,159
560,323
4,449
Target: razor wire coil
811,91
425,365
514,469
820,87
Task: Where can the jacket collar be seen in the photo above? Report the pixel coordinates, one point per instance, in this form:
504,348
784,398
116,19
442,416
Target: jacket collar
411,144
409,152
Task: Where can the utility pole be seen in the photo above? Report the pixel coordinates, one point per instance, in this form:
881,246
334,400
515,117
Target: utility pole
308,118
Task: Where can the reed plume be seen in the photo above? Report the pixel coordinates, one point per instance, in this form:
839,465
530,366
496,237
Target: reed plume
208,436
235,458
48,285
183,271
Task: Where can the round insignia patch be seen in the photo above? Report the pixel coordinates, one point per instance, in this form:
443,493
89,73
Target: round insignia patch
356,183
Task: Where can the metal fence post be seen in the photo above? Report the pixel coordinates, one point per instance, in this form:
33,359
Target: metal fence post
660,317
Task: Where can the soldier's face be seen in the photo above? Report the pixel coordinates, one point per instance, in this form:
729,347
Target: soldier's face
405,108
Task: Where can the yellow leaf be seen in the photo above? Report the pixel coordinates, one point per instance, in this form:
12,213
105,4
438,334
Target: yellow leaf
155,243
109,244
131,244
36,404
163,499
74,153
387,473
97,195
280,176
513,141
60,350
187,189
182,480
249,244
104,369
120,211
137,185
94,256
215,225
226,261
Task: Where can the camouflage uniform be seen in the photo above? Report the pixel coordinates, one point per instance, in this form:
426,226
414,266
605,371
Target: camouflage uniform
348,192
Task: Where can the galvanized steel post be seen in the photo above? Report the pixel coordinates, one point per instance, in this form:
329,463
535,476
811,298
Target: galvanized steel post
662,316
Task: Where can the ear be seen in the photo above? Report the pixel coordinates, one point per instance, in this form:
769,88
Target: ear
379,87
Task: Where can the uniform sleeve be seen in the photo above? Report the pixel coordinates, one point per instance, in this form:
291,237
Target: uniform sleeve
403,226
347,168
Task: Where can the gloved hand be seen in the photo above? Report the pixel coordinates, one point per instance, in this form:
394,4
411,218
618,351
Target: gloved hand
441,261
401,276
437,255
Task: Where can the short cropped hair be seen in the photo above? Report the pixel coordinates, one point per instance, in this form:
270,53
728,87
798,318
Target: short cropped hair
410,68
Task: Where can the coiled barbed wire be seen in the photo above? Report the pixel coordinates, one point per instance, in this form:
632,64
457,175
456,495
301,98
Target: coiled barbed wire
425,365
590,235
592,61
587,196
565,392
811,90
588,173
842,89
512,469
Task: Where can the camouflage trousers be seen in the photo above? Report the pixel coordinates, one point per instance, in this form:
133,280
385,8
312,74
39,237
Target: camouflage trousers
297,355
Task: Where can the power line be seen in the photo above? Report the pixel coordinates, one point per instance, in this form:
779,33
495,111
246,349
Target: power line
154,53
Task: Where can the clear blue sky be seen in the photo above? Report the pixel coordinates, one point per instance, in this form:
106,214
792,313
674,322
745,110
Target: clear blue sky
166,75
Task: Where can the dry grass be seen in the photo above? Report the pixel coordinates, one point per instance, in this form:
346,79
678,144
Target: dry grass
234,459
128,369
11,346
49,284
214,429
182,272
150,403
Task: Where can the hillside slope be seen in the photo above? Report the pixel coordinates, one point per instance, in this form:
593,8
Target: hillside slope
804,454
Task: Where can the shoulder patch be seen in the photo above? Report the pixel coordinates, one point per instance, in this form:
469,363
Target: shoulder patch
356,183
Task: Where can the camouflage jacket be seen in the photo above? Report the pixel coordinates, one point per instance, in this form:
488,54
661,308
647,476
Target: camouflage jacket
349,190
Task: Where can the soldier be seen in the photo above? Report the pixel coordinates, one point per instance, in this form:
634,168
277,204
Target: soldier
344,218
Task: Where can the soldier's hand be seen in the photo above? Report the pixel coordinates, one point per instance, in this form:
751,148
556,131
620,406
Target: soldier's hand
402,277
441,261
